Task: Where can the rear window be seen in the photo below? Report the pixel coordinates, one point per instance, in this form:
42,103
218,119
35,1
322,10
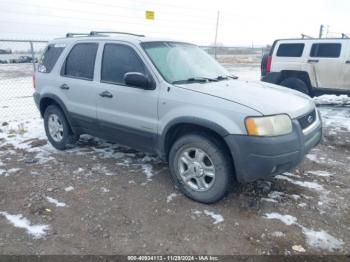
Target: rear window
80,62
331,50
50,57
290,50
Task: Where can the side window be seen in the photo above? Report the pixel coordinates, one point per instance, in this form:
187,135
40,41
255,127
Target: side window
118,60
80,62
50,57
330,50
290,50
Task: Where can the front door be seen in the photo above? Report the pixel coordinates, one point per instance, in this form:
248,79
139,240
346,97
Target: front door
127,114
327,65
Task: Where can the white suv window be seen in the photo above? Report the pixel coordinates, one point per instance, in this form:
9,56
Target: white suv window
290,50
330,50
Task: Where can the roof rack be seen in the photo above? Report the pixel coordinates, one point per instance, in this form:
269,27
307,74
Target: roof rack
344,35
96,33
76,34
303,36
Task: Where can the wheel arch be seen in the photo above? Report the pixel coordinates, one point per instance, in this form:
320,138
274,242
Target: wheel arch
185,125
50,99
302,75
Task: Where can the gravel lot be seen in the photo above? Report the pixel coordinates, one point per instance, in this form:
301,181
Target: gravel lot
102,198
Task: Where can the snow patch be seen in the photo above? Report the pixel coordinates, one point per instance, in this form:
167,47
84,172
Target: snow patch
37,231
316,239
269,200
55,202
320,173
306,184
148,170
217,217
13,170
286,219
332,100
278,234
3,172
69,188
171,197
104,190
322,240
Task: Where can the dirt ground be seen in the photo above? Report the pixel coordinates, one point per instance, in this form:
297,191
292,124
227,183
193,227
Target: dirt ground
101,198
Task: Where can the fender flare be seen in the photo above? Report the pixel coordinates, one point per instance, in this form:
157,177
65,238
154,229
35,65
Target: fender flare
62,106
162,143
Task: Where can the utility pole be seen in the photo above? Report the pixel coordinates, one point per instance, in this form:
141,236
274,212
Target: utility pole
216,33
321,31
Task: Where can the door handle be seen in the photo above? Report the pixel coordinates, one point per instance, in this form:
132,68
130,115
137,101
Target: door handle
106,94
313,61
64,87
347,62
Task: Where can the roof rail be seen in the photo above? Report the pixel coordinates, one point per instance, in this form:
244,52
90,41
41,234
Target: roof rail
76,34
305,36
344,35
96,33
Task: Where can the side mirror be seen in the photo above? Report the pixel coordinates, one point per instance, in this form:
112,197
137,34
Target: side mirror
138,80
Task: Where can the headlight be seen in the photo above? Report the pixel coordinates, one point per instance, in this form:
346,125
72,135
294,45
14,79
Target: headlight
269,125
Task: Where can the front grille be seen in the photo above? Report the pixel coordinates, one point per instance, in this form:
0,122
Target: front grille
307,120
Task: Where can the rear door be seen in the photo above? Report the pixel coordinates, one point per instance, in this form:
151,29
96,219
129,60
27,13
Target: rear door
77,86
126,114
326,59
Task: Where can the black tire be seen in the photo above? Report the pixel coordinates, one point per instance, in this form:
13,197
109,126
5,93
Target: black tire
296,84
68,138
220,159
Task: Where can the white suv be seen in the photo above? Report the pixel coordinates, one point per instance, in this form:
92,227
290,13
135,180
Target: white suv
311,66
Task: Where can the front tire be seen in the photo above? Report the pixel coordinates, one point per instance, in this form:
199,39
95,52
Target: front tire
57,128
201,167
296,84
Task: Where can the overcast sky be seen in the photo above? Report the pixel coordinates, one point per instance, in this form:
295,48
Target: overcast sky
241,22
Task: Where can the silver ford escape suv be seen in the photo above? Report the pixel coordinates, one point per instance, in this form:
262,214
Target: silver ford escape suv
172,99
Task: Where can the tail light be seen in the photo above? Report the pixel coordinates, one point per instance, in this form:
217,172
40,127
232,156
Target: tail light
268,64
34,81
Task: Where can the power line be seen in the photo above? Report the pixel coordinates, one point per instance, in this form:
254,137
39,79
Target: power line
191,17
203,28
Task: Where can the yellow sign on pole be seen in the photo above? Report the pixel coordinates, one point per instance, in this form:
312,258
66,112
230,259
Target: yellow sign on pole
150,15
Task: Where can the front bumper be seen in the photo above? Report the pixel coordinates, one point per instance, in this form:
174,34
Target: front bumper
263,157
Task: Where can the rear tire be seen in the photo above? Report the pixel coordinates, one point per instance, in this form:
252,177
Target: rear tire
201,167
296,84
57,128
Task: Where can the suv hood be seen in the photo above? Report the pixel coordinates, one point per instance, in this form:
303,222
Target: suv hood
266,98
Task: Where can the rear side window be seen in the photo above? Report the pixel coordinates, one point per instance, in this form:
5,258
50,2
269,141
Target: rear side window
50,57
80,62
117,61
331,50
290,50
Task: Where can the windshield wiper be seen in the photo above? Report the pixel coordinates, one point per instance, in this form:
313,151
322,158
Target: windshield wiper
219,78
195,79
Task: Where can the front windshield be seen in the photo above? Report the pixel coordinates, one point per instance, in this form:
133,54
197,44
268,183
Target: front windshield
181,62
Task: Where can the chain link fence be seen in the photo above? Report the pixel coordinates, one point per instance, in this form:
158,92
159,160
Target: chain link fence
18,60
